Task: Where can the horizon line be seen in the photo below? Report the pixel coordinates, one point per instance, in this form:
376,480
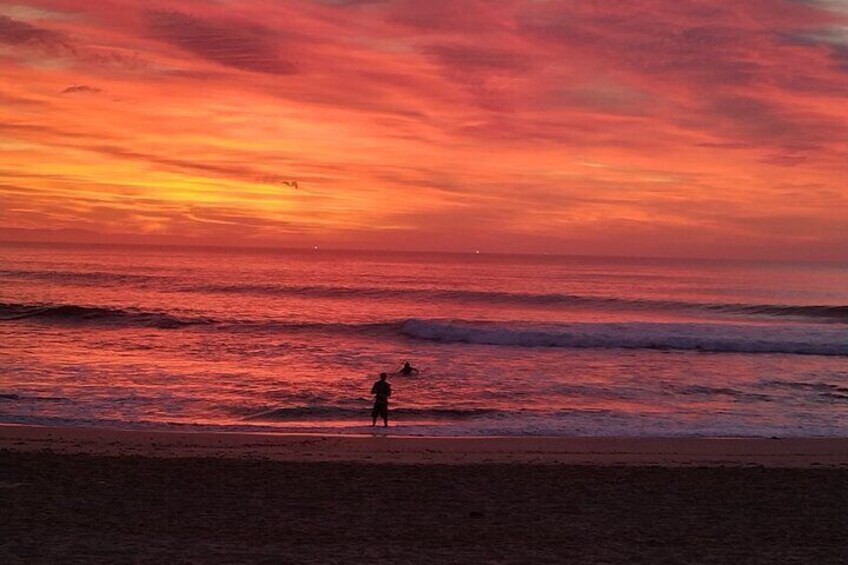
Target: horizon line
475,252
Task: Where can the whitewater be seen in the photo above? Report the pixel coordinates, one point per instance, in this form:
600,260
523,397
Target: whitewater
190,338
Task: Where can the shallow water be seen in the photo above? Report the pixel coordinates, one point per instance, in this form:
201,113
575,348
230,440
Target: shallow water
292,340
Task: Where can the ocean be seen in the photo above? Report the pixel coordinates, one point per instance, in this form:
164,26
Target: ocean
292,340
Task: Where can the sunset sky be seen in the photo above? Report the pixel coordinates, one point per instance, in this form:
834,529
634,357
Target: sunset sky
657,127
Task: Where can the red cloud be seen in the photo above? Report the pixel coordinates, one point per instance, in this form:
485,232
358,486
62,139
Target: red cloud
618,124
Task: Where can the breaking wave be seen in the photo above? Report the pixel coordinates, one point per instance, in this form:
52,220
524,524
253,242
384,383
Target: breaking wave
326,411
717,338
75,314
806,339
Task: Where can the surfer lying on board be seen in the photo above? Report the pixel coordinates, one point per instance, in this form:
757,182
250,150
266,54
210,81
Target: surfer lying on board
381,391
408,370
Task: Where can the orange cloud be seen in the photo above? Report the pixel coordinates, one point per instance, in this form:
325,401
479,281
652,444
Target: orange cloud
659,127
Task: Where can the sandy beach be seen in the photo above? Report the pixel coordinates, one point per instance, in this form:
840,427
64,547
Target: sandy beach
93,496
382,447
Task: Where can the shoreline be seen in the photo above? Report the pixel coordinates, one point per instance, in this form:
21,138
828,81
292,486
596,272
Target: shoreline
382,447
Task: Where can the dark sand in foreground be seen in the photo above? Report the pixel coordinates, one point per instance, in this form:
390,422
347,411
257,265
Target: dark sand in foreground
84,503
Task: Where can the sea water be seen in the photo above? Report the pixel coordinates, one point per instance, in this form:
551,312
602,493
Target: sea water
292,340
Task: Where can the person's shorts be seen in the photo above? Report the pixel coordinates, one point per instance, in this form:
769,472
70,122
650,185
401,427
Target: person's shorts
381,409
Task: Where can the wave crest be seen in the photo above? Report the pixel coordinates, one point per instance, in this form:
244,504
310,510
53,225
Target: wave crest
716,338
806,339
328,411
72,313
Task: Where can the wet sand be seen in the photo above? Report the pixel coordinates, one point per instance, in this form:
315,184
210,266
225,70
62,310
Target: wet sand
92,496
383,447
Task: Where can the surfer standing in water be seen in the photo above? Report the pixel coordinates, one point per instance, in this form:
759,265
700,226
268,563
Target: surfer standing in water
382,391
408,370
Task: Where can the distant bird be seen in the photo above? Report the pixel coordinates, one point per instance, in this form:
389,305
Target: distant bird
291,183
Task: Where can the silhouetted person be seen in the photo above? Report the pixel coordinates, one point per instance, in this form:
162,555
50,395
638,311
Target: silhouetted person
381,391
408,369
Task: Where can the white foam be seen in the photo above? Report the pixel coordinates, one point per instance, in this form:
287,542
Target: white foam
796,339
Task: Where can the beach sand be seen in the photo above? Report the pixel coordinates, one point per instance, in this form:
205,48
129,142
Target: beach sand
92,496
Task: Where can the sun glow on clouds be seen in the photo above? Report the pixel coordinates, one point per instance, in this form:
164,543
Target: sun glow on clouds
654,127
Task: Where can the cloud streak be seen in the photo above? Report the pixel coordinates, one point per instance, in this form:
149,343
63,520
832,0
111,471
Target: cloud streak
653,127
248,47
14,32
81,88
